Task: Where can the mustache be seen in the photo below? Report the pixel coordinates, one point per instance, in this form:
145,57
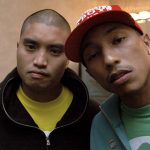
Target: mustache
117,68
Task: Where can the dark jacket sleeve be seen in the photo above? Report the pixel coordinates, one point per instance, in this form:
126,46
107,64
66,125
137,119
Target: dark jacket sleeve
92,109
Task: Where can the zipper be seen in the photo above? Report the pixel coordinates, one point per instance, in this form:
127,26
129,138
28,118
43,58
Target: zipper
47,139
47,143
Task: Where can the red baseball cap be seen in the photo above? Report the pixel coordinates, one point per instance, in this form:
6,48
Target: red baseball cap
93,17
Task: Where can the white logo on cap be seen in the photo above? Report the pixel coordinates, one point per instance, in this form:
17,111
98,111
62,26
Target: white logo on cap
92,12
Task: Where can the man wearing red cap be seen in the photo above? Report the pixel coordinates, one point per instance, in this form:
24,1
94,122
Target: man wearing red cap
115,51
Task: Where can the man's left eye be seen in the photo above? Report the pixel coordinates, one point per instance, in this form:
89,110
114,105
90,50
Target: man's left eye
118,40
56,50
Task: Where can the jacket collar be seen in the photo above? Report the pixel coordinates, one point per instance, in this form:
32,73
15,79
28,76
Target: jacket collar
70,79
111,110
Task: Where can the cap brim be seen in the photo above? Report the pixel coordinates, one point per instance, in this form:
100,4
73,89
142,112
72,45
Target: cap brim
72,47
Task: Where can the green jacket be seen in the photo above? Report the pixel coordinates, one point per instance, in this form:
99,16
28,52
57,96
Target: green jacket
107,132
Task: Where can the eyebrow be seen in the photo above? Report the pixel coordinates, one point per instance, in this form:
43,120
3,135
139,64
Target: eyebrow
60,46
111,29
28,40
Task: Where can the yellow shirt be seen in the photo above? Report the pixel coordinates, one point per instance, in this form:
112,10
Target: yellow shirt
46,114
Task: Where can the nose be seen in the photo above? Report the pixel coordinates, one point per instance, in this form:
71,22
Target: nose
40,59
111,58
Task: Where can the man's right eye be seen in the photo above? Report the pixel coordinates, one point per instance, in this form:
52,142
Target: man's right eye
30,47
92,56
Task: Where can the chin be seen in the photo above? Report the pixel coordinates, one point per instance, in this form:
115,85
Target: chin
127,91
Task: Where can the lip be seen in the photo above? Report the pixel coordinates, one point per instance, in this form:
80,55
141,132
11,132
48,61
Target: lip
119,77
38,74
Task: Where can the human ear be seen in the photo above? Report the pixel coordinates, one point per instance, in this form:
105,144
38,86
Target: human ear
146,40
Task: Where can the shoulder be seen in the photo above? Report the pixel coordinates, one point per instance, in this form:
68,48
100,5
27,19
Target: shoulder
98,121
108,116
98,132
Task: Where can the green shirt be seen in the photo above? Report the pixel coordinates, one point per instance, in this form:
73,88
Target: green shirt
137,125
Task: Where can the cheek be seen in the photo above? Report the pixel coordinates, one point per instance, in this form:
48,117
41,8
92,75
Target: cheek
20,60
23,61
97,73
20,54
140,60
61,62
57,66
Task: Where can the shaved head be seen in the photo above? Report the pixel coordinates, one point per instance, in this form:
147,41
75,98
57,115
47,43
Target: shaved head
47,16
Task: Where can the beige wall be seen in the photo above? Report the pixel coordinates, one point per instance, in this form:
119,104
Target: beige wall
13,12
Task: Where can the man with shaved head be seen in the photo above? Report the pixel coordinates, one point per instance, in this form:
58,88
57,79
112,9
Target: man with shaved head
44,104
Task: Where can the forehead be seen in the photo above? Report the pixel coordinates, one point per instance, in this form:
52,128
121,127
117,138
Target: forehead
105,29
37,25
44,31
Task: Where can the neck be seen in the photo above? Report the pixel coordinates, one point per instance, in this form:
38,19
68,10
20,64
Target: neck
136,99
42,95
